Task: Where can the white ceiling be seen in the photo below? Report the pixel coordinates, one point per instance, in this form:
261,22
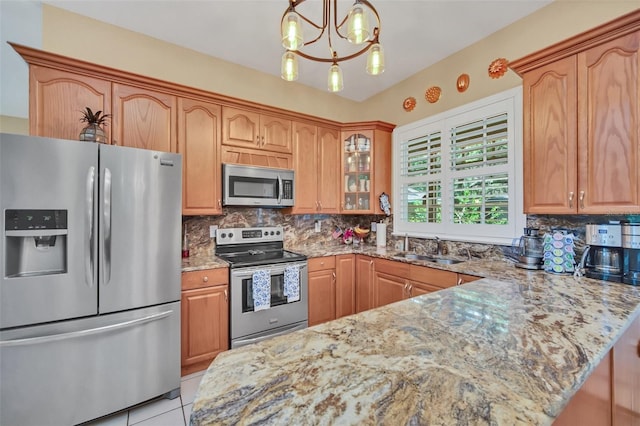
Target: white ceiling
414,33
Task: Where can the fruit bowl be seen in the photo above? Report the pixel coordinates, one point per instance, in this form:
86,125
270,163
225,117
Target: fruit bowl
361,232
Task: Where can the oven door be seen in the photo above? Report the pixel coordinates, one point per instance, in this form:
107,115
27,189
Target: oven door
245,321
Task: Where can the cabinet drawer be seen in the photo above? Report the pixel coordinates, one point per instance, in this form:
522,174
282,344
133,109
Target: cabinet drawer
437,277
205,278
392,267
320,263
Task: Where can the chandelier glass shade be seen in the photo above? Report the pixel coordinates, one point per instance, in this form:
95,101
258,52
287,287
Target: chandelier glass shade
358,33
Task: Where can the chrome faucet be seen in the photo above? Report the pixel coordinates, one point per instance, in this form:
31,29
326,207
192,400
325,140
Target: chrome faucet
438,246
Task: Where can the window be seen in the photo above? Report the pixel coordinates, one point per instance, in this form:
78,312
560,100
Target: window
458,175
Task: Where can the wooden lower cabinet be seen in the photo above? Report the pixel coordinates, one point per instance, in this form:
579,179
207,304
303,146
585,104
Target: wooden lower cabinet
611,395
364,283
204,318
626,377
322,290
345,285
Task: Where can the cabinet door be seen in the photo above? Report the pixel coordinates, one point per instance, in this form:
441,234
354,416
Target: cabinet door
345,285
199,144
357,159
626,377
255,157
609,126
591,405
328,172
550,138
144,118
364,283
205,326
240,128
464,278
305,165
275,134
389,288
381,175
57,99
322,296
418,289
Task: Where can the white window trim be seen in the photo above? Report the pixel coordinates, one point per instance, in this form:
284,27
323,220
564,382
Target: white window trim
509,101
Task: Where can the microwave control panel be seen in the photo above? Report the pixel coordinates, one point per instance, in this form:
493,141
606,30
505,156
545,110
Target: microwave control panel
287,189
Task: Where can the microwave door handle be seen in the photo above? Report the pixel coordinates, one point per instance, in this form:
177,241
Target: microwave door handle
279,190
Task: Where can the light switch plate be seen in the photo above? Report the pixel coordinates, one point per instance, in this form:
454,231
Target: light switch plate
374,227
212,231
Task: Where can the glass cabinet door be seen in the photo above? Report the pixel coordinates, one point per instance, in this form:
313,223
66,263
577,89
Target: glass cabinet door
357,174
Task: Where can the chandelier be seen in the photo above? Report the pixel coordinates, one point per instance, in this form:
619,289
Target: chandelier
357,33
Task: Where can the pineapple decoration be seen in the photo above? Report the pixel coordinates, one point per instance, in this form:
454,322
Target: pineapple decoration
93,132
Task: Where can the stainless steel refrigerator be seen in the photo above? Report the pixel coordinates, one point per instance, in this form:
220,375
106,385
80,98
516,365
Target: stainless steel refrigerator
89,279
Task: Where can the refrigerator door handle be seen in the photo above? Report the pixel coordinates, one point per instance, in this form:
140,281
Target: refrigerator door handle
84,333
89,251
107,226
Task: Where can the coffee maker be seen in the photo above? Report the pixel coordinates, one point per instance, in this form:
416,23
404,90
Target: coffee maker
603,255
631,248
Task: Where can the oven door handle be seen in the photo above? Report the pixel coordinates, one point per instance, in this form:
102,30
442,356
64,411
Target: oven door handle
277,269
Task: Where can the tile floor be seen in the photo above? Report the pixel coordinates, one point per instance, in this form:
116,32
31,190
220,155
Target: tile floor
159,412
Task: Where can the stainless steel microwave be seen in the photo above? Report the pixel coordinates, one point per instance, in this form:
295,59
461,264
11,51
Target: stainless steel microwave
257,186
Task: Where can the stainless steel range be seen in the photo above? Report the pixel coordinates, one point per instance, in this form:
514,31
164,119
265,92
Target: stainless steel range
268,285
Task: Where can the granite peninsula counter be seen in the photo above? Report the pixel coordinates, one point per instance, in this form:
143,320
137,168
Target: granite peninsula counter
505,350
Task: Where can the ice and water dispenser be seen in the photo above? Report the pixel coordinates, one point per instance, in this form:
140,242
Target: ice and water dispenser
35,242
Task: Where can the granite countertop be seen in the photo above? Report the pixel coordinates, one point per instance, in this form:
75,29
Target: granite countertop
508,349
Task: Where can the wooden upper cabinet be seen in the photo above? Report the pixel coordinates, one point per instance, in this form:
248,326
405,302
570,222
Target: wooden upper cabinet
250,129
57,99
199,144
316,156
305,164
328,170
550,138
582,122
144,118
609,126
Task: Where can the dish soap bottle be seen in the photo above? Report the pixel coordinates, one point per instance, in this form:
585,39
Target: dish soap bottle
185,243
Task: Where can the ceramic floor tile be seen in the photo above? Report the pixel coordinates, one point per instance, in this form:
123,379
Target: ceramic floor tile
152,409
192,375
170,418
119,419
187,412
188,389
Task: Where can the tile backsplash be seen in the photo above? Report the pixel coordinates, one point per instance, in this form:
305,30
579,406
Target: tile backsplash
300,229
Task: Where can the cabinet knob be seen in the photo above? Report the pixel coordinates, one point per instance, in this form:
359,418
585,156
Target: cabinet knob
205,279
219,203
226,296
333,274
582,199
319,205
571,199
459,281
263,141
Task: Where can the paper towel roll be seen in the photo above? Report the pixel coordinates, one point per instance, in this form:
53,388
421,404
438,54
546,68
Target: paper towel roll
381,235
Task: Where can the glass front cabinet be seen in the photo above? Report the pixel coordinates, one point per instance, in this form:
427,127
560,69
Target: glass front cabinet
366,166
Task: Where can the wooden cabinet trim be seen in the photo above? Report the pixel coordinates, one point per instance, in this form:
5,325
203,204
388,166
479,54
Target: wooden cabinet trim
601,34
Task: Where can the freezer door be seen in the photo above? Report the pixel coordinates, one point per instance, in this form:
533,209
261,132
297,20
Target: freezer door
47,272
140,224
70,372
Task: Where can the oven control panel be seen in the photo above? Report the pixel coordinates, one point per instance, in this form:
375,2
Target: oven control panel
249,235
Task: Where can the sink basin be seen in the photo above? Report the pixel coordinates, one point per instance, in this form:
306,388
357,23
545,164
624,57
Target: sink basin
427,258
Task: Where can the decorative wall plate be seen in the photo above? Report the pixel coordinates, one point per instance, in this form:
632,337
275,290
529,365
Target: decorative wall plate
433,94
462,83
409,104
498,67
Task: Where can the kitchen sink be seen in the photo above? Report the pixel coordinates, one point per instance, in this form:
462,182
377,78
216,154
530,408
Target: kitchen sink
427,258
